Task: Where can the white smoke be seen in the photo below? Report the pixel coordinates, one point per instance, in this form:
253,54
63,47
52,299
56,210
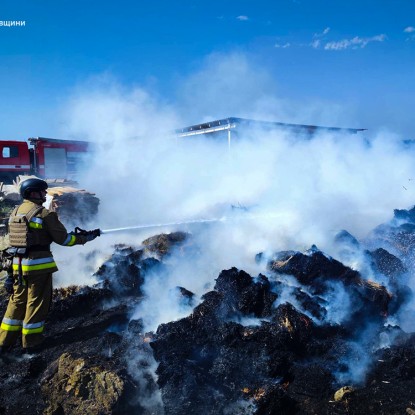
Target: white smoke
338,303
356,363
300,191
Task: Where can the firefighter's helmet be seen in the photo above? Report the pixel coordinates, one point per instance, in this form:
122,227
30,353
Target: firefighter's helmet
32,185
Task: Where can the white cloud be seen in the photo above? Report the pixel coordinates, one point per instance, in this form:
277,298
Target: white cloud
409,29
323,33
354,43
284,46
243,18
315,44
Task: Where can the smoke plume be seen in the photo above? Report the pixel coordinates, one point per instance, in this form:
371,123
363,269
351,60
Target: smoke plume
290,191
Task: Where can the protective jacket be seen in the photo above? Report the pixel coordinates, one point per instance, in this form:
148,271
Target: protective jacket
45,228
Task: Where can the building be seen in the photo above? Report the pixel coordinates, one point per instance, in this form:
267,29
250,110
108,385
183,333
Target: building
229,128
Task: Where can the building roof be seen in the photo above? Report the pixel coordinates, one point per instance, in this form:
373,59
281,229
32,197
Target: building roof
233,122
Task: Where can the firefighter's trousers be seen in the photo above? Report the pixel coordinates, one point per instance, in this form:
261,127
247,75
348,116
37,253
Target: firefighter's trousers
26,312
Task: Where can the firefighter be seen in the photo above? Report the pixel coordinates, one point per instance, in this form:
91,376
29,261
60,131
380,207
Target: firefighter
32,228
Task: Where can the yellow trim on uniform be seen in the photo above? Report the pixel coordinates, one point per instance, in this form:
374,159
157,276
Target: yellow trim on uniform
34,267
33,331
70,240
35,225
8,327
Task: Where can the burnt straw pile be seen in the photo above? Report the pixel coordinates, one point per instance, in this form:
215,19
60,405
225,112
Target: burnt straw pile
309,335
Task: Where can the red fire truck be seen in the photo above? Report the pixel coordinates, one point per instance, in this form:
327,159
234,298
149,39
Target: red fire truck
43,157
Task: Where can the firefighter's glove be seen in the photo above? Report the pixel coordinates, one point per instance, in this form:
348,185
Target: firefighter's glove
91,235
8,284
87,236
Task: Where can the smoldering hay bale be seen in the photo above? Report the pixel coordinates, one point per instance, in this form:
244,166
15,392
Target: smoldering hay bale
315,270
72,386
207,361
74,206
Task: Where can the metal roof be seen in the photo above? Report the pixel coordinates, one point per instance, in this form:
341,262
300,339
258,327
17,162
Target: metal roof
234,122
57,141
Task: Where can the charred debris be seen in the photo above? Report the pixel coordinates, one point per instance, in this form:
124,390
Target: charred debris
309,336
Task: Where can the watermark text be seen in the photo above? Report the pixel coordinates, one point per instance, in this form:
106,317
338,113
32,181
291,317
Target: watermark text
12,23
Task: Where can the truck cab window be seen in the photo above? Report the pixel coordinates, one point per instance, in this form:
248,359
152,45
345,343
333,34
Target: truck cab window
10,152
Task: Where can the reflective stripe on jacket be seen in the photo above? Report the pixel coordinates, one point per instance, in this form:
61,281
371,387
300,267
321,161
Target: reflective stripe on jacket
70,240
34,264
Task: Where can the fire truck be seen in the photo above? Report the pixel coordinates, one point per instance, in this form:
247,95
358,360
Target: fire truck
42,157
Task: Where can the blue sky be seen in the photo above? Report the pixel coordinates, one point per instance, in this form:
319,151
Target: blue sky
355,56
